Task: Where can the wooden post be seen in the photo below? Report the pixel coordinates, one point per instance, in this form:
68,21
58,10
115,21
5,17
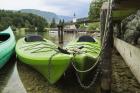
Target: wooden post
102,22
60,33
61,37
106,59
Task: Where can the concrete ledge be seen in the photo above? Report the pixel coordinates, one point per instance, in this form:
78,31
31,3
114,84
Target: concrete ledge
130,54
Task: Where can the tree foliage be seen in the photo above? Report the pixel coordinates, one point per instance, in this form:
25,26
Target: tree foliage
93,26
53,23
61,22
77,25
94,10
21,20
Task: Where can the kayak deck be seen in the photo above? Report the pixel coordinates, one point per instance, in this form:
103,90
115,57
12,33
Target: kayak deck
85,55
45,57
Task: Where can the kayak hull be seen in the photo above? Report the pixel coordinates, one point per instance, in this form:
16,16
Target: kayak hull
6,47
48,61
84,58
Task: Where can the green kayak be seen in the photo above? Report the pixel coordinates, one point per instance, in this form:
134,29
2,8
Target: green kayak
44,56
7,44
85,52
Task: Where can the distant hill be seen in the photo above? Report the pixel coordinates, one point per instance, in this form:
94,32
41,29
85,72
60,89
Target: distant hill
47,15
21,20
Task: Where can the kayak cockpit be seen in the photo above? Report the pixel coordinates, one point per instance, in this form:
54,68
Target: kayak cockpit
4,37
33,38
86,38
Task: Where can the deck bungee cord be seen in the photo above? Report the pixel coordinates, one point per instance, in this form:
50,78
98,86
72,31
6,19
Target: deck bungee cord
73,51
36,47
89,54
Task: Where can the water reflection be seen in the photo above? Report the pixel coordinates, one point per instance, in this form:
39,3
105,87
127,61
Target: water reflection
34,82
20,78
9,80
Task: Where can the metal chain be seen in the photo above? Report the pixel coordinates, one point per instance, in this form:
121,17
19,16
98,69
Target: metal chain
94,79
91,68
101,52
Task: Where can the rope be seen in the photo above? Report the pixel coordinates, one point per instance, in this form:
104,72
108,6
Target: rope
101,52
91,68
49,65
87,70
107,20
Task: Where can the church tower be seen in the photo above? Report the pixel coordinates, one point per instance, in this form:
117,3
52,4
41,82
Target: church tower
74,18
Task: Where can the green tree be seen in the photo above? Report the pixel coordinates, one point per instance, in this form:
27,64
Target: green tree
41,25
94,10
63,21
21,20
77,25
53,23
60,22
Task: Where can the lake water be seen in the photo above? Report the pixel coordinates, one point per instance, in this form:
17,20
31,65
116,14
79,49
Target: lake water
16,77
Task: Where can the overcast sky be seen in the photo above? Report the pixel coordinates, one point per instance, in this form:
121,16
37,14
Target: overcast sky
60,7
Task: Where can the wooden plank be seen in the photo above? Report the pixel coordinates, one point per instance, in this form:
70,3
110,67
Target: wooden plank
130,54
121,14
125,4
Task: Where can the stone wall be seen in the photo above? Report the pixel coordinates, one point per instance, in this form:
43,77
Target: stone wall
130,29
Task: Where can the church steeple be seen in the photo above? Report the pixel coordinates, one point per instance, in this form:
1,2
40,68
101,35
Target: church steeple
74,18
74,15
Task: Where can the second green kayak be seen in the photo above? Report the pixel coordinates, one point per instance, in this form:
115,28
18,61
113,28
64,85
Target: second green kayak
85,52
44,56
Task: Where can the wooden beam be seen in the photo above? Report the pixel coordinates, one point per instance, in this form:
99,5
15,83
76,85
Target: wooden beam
126,4
122,13
106,59
103,14
81,22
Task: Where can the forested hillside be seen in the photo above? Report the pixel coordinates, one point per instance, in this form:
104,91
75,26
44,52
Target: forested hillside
21,20
49,16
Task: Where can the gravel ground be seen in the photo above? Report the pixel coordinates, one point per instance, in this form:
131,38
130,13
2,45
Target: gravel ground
123,81
34,82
